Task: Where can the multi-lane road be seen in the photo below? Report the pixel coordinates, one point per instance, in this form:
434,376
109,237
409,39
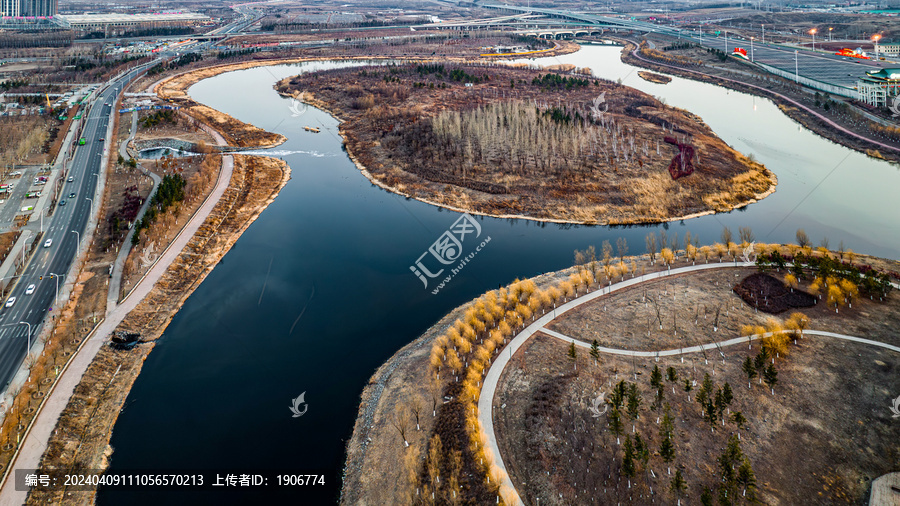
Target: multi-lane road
48,266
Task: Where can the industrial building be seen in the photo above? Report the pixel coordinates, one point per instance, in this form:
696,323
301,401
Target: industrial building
103,22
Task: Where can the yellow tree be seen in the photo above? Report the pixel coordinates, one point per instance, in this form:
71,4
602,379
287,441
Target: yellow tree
691,251
668,256
623,269
790,281
797,323
850,290
835,296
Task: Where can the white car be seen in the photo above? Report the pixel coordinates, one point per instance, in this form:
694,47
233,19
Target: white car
48,242
30,289
10,301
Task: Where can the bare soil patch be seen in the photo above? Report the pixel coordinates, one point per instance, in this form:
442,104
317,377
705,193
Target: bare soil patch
765,293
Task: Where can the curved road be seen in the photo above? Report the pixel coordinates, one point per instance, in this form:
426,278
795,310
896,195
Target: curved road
492,378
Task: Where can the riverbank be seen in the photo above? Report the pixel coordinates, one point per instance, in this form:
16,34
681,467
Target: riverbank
788,99
402,384
81,437
610,166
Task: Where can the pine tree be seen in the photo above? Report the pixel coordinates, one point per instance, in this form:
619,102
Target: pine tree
727,394
706,497
628,459
671,374
678,485
573,354
615,422
749,370
770,376
656,377
747,479
634,401
595,351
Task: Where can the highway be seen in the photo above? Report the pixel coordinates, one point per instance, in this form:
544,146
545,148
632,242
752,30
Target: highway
20,323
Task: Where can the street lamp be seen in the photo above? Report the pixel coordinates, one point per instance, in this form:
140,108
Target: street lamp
29,337
751,49
56,293
875,38
813,33
830,28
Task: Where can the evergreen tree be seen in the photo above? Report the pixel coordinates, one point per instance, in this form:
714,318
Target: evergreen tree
634,401
727,394
617,397
671,374
706,497
628,468
747,480
678,485
572,353
595,351
749,370
770,376
656,377
614,418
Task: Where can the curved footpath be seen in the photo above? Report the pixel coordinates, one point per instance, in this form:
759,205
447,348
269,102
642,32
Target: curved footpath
492,378
35,443
115,283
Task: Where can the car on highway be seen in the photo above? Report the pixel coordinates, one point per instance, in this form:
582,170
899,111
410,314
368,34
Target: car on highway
10,301
30,289
48,242
71,179
72,195
62,202
16,173
102,139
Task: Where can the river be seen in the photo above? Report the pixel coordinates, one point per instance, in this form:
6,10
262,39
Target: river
318,292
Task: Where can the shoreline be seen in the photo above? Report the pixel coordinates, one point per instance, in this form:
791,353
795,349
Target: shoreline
812,121
303,97
251,187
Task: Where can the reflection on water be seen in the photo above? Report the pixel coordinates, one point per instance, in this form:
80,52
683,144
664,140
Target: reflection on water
318,293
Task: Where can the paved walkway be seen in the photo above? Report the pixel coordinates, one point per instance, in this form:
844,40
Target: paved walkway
492,378
36,438
115,282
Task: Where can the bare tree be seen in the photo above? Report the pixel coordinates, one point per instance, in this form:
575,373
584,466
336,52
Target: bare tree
622,247
802,239
400,421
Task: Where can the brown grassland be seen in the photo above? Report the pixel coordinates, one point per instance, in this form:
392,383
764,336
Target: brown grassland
509,141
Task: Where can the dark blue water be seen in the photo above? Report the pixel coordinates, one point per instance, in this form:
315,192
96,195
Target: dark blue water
318,293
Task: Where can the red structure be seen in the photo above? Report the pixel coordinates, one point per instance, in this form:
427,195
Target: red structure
683,163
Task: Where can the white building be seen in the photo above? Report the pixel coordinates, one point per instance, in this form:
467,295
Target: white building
879,88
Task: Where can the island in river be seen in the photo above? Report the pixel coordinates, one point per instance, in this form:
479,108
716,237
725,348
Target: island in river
552,145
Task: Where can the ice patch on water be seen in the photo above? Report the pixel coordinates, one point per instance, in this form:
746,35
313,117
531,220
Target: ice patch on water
283,152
